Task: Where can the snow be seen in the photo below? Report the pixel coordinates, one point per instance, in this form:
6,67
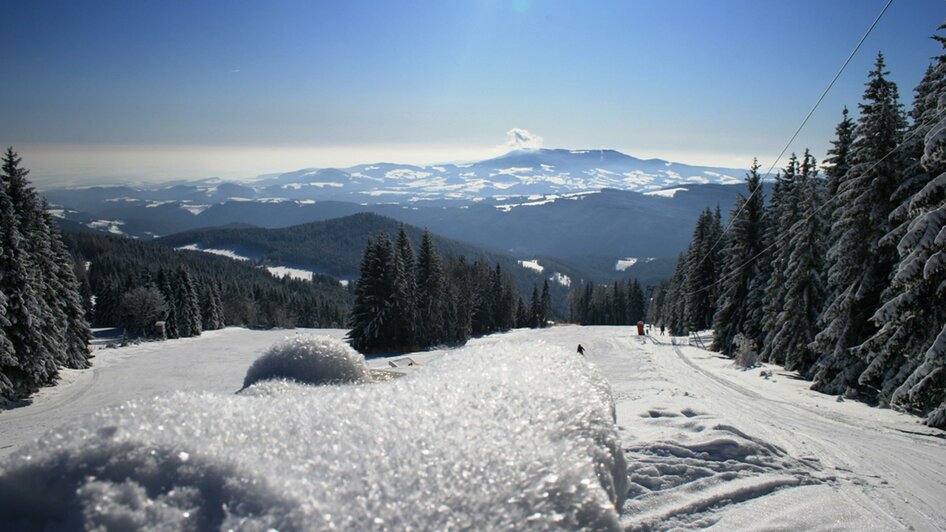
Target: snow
482,437
666,193
531,264
561,279
479,439
309,359
112,226
623,264
195,209
229,253
294,273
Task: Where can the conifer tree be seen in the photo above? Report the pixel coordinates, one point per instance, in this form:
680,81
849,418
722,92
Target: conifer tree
740,290
371,307
906,325
535,309
430,294
77,336
921,272
545,305
838,161
795,325
861,264
522,315
782,214
702,272
404,312
188,305
33,366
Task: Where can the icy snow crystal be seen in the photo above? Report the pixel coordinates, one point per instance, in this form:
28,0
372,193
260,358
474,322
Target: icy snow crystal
482,439
309,359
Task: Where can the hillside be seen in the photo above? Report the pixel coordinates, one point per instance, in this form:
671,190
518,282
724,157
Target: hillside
110,266
335,247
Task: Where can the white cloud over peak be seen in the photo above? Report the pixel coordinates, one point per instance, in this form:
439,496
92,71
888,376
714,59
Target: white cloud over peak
520,139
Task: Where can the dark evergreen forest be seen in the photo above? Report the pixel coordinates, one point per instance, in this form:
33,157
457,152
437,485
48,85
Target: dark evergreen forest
406,301
841,275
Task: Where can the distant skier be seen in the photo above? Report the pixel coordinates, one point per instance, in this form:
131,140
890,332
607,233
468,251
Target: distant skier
661,329
581,350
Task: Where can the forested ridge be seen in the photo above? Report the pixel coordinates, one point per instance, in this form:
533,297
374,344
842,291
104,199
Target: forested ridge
841,276
193,283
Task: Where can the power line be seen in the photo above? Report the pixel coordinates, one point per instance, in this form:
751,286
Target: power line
797,224
800,126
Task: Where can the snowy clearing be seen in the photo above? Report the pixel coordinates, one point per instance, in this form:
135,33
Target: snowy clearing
532,265
623,264
705,443
293,273
666,193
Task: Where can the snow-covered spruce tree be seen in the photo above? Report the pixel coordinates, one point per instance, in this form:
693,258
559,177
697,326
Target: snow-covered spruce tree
188,305
803,295
535,308
860,264
782,213
838,162
372,313
77,336
702,265
522,315
636,305
31,366
211,308
404,311
739,287
7,353
923,260
545,305
47,319
430,327
170,319
674,312
907,324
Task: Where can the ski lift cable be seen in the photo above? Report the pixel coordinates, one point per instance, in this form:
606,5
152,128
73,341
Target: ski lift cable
800,126
797,224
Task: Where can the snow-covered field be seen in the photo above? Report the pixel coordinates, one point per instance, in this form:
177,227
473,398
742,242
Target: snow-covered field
705,443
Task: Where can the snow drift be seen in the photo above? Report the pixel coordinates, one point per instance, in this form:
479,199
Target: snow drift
480,439
309,359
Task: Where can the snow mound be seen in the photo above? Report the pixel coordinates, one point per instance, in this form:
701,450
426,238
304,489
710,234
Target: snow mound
484,438
309,359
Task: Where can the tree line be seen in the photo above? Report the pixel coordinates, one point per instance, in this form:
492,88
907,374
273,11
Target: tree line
841,277
43,325
405,302
621,303
136,284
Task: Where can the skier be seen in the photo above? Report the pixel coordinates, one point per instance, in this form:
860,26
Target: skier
581,350
661,329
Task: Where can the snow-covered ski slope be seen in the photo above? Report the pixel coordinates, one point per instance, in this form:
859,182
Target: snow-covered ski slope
706,444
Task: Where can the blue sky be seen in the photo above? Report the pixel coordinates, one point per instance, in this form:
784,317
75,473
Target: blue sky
180,89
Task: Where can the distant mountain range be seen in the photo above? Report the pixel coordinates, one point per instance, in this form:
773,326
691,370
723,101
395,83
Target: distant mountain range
588,208
542,172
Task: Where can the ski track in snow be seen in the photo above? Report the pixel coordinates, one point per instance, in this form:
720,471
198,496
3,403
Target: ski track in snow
707,444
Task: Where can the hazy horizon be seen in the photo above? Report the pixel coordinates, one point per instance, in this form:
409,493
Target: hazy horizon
119,92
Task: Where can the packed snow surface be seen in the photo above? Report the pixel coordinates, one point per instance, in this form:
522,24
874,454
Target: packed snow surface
706,444
481,439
